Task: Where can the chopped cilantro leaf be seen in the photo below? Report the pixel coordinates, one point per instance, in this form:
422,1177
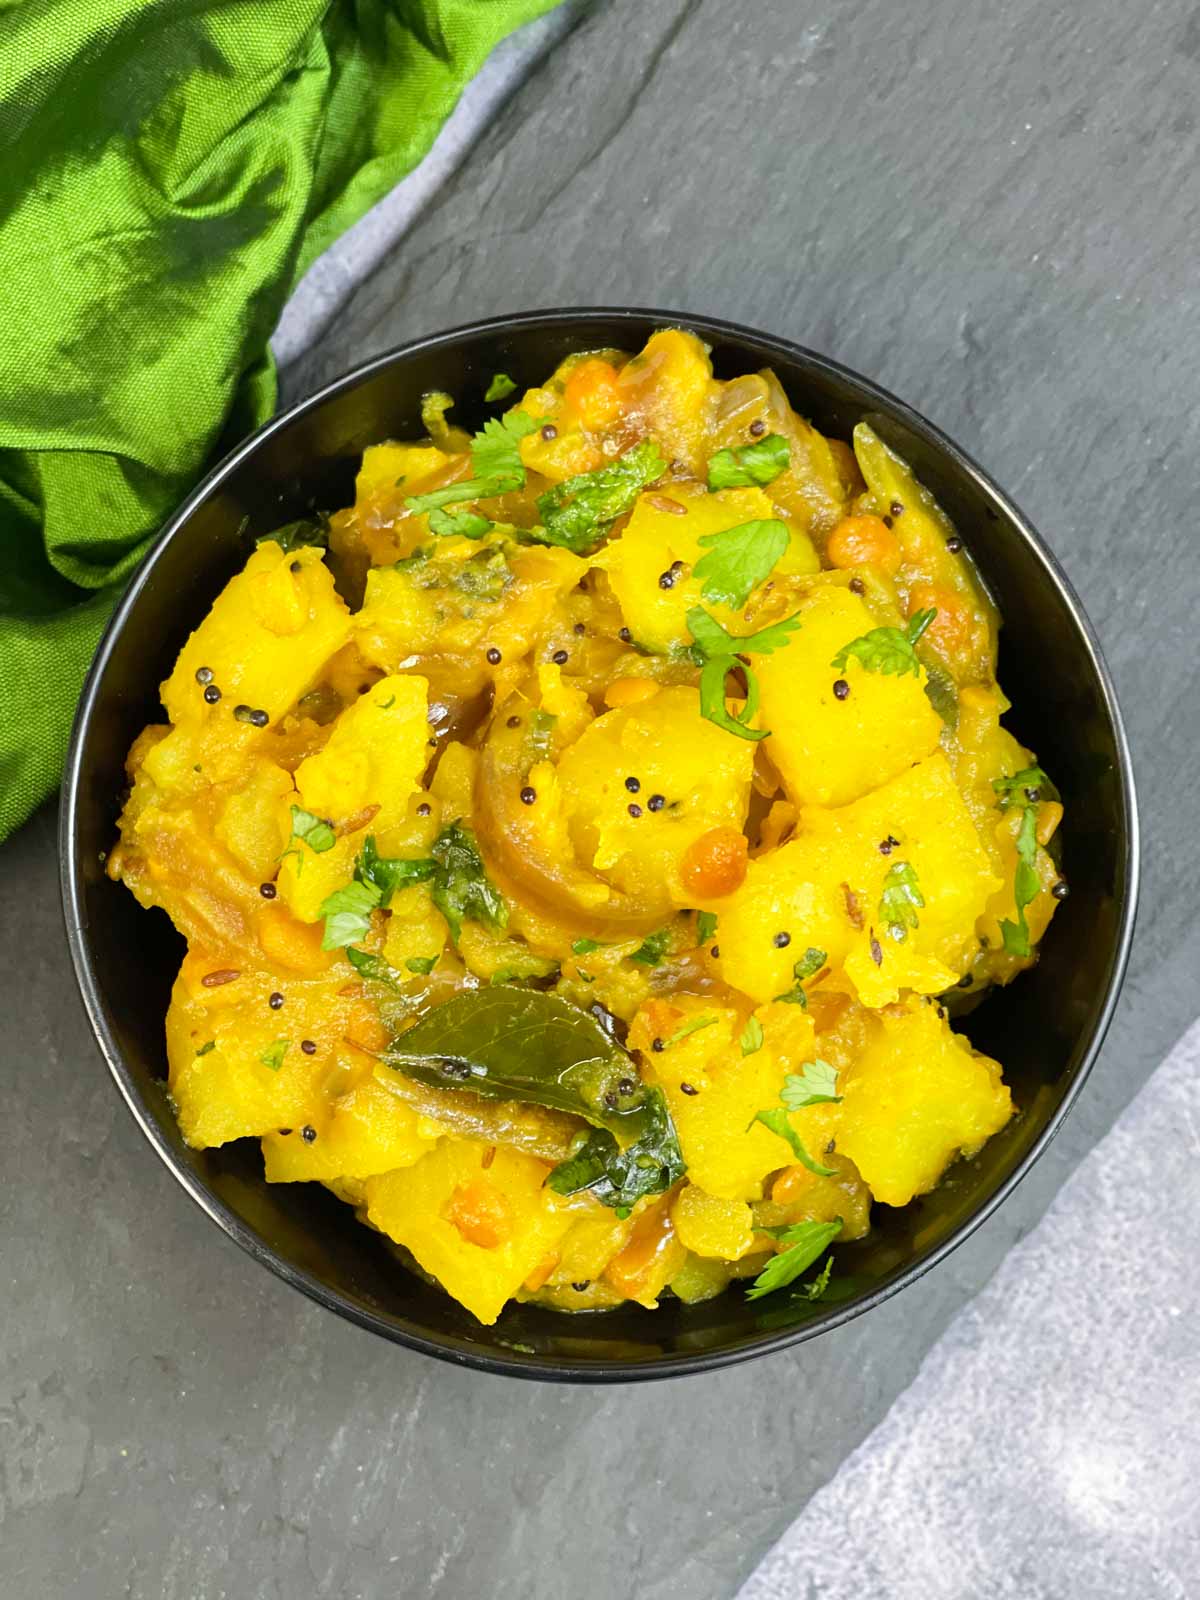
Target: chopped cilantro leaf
205,1048
805,1241
500,388
1016,789
887,650
692,1026
809,963
750,464
652,948
816,1289
423,965
752,1037
496,449
456,493
462,890
315,832
1025,886
900,900
712,697
814,1085
584,947
294,535
375,969
712,640
389,873
273,1055
576,514
739,559
464,524
777,1120
347,913
706,926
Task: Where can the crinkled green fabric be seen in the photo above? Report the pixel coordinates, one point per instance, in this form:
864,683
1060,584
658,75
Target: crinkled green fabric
168,169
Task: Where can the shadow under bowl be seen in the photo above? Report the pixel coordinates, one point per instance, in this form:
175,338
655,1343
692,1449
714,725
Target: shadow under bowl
1046,1028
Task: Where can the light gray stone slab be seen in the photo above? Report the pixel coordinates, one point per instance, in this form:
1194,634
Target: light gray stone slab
993,211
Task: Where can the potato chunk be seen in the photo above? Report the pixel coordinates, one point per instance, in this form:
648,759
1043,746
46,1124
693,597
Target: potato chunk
367,1131
728,1154
435,1207
830,751
824,890
657,537
236,1068
917,1097
687,776
375,756
269,633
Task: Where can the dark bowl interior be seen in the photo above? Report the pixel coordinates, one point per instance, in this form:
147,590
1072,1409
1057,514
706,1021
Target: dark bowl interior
1046,1029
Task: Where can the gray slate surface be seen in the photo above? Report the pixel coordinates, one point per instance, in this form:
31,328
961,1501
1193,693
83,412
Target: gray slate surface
1080,1355
992,210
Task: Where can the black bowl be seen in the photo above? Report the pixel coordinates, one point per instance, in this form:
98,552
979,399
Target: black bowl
1046,1029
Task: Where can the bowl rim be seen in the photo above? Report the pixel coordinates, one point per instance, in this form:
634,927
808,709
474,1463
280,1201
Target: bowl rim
462,1353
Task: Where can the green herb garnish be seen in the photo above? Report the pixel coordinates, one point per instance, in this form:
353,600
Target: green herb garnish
1025,886
315,832
464,524
706,926
423,965
500,388
375,969
294,535
576,514
347,913
1022,788
205,1048
496,459
814,1085
900,900
810,962
752,1037
805,1241
496,449
749,464
585,947
462,890
619,1178
887,650
739,559
652,948
692,1026
389,873
778,1123
713,641
273,1055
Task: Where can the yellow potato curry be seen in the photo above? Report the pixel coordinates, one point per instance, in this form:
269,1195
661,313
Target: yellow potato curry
584,841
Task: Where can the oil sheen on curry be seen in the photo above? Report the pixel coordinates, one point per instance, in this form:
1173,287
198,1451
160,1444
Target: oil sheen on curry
583,841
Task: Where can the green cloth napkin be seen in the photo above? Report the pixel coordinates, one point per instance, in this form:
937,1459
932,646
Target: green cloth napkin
169,169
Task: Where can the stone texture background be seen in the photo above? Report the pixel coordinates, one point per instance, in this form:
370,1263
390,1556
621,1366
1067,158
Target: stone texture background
993,211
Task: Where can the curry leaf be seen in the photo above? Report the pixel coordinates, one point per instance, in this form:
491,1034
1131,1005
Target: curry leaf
527,1045
621,1177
